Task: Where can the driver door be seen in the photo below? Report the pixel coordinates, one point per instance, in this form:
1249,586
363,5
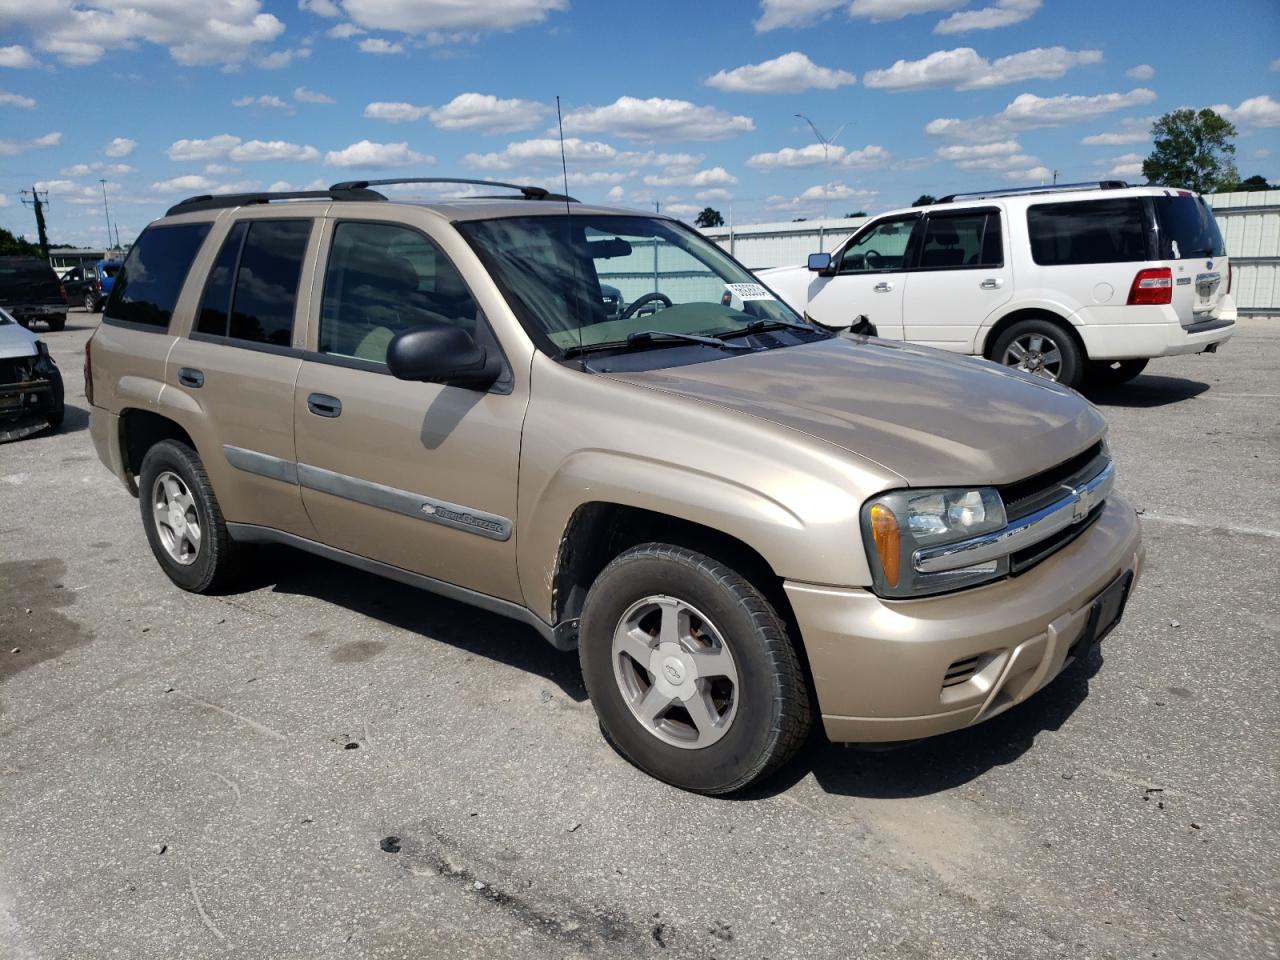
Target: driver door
870,277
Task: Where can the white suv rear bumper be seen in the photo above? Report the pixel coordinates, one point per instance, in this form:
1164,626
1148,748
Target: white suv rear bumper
1118,341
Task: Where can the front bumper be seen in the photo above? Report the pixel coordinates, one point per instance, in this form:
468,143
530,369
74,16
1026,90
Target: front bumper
879,666
28,406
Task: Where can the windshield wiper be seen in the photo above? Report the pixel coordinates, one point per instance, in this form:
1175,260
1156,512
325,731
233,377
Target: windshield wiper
643,338
760,326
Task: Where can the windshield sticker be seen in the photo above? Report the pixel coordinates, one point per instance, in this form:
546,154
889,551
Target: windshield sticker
749,291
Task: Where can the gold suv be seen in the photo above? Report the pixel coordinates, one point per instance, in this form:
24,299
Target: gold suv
597,422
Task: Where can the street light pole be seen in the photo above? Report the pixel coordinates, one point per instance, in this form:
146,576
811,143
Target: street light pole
826,143
106,209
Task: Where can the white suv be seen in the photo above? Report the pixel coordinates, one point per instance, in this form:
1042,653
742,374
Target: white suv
1068,282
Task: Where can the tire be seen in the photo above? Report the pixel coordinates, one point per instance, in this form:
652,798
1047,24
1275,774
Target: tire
1058,356
58,409
762,719
1112,373
203,567
90,303
56,321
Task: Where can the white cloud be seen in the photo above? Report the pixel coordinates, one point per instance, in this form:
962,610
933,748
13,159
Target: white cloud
279,186
998,155
303,95
209,32
1127,165
1040,174
120,147
790,73
190,181
657,118
716,176
1143,71
219,169
379,46
449,16
964,69
280,150
793,13
811,200
366,153
1028,111
211,149
343,31
11,148
321,8
394,112
84,169
1129,130
872,155
878,11
279,59
808,156
1275,65
576,151
616,194
485,113
266,101
16,100
1255,112
719,194
17,57
1004,14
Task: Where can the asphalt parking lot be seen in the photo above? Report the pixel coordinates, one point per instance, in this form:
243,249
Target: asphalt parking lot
188,776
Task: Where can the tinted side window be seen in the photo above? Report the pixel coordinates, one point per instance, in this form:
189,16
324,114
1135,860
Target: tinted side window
384,279
1088,231
267,281
215,305
883,247
147,287
966,240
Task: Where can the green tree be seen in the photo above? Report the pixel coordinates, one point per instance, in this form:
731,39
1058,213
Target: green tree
856,213
15,246
1193,151
924,200
709,218
1256,182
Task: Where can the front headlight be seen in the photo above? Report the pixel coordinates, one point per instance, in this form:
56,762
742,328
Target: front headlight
895,525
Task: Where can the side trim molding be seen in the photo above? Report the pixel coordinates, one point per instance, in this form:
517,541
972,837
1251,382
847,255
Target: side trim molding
252,533
441,512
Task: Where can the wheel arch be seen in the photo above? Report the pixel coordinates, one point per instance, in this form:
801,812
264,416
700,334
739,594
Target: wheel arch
988,336
140,430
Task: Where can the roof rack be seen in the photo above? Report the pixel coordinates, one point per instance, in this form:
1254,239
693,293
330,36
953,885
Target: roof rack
1047,188
347,190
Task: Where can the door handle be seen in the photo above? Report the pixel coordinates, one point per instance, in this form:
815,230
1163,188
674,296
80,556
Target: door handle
323,405
191,377
884,286
991,283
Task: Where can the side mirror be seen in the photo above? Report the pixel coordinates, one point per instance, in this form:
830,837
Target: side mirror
819,262
442,353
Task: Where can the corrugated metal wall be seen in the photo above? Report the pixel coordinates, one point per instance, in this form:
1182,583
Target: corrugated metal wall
1250,225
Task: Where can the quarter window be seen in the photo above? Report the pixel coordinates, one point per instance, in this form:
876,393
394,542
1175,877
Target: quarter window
883,248
383,279
147,287
1088,231
968,240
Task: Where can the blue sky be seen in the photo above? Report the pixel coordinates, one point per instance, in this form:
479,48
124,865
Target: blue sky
686,104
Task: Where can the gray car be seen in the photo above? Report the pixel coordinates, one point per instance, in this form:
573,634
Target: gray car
30,382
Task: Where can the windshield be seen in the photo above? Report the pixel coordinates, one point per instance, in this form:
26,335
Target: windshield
1187,228
591,279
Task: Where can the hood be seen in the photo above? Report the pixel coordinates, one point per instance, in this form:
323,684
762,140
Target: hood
16,341
933,418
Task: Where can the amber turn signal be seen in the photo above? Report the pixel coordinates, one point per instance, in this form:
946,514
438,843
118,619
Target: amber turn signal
884,533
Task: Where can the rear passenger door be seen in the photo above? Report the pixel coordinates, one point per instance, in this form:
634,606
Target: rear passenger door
239,364
421,476
961,276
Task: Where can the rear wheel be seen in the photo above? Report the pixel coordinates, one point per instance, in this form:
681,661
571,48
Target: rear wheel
691,671
90,302
1112,373
1042,348
182,519
56,321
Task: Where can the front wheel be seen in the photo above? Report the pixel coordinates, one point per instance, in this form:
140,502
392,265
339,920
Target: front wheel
90,303
1042,348
691,671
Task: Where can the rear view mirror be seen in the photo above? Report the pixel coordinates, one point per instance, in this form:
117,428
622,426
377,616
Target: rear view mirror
442,353
819,262
608,249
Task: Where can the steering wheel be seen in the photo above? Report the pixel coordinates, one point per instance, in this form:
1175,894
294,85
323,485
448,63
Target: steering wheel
639,302
872,259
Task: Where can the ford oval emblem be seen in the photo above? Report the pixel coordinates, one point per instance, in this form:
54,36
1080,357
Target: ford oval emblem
1208,264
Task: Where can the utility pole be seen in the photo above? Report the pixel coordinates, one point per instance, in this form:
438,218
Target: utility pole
826,143
106,209
39,200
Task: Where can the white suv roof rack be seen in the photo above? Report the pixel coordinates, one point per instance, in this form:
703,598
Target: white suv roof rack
1049,188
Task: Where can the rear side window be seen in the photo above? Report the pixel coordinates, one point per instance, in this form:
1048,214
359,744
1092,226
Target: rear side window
147,287
1088,231
1187,228
265,259
968,240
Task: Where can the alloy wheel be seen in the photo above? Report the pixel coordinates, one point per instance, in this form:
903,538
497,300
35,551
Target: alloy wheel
1034,353
177,521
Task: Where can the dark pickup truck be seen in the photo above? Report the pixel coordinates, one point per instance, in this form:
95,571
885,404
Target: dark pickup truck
30,291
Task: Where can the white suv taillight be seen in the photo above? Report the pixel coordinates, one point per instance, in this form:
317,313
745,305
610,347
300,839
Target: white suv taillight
1152,287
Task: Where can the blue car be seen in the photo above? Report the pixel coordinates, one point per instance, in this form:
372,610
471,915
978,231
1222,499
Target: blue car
102,276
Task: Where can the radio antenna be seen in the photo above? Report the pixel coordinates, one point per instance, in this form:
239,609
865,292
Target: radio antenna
568,231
